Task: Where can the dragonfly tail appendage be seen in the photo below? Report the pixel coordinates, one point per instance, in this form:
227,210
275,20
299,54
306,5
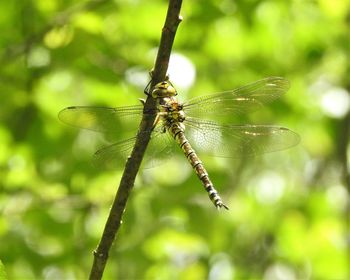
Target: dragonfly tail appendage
208,186
216,199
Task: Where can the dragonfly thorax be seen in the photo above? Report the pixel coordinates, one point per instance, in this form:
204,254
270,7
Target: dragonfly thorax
171,109
176,116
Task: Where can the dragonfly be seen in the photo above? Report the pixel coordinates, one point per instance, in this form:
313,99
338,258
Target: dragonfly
193,126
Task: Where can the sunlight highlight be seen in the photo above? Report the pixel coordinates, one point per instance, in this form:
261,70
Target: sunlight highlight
181,71
336,102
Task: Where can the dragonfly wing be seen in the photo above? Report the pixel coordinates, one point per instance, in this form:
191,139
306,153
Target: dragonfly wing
160,147
238,140
239,101
103,119
113,156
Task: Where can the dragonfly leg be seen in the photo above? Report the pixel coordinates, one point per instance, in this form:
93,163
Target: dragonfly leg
147,88
156,120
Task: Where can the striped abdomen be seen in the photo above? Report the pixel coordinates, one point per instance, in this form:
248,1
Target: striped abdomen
178,133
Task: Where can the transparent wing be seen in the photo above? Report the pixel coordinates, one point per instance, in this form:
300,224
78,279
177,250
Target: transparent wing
239,101
238,140
160,147
113,156
102,119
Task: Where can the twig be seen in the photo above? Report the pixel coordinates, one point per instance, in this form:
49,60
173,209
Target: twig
134,161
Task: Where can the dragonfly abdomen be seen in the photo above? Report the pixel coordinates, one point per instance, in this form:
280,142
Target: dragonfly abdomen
177,132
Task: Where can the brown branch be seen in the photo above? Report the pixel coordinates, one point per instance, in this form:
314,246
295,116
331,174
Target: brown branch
134,161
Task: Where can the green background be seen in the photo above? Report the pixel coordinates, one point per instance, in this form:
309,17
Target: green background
289,211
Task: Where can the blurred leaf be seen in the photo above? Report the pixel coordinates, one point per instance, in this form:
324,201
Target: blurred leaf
3,275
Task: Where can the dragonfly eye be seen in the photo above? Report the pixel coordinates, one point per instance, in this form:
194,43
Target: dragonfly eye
163,89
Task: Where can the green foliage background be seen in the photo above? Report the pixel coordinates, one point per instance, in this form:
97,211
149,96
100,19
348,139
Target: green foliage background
289,211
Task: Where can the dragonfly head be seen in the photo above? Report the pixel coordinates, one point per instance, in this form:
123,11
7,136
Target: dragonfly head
163,89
